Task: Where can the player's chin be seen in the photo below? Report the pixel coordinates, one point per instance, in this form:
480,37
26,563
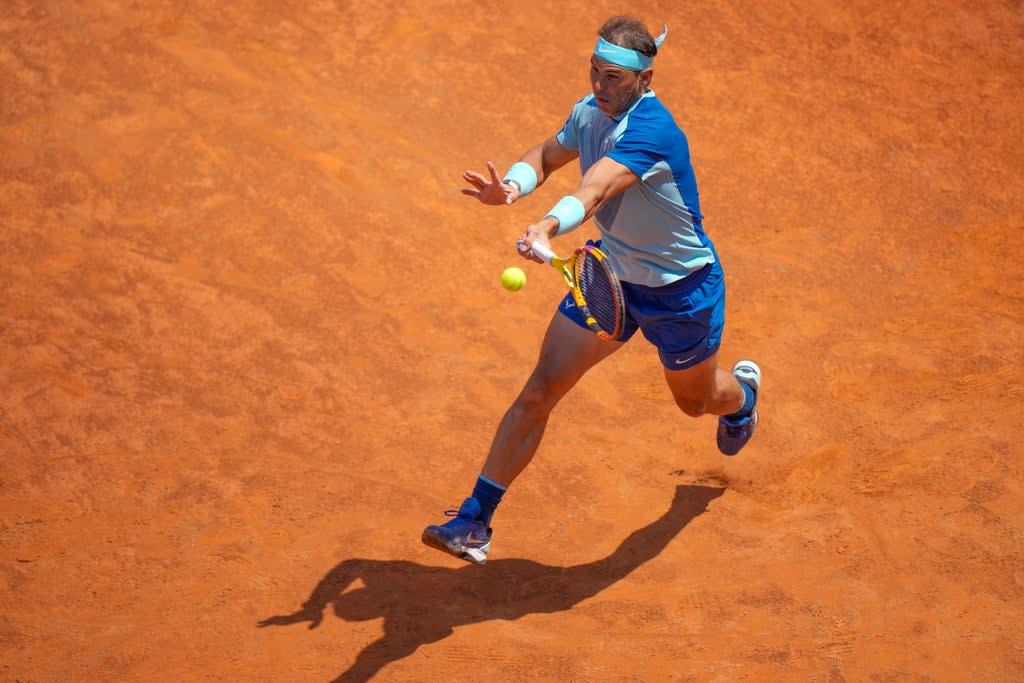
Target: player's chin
608,108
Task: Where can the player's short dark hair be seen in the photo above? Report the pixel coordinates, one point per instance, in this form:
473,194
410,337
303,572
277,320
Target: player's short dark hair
630,33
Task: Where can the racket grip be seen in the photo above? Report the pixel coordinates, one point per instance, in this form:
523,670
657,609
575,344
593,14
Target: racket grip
542,251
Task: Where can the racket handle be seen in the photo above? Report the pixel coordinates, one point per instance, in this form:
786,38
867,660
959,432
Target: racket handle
542,251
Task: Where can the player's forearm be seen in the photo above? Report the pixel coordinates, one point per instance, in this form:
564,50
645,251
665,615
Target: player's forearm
535,158
603,181
538,163
528,173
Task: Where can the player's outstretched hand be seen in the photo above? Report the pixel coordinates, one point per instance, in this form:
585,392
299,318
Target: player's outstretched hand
489,190
313,616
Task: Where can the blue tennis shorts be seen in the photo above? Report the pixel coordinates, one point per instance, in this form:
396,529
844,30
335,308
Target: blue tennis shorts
684,320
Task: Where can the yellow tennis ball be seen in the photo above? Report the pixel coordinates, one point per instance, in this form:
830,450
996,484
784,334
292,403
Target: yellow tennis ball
513,278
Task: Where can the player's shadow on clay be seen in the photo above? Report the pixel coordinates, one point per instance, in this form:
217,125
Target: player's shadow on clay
422,605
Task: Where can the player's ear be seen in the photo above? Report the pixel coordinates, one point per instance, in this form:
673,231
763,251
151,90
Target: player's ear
646,76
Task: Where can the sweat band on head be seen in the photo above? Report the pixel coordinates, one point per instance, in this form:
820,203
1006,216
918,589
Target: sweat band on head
523,175
623,56
570,213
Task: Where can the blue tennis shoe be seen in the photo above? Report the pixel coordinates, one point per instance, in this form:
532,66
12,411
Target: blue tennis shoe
734,434
465,537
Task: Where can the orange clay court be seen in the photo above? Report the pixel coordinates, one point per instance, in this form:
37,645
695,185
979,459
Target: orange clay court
253,341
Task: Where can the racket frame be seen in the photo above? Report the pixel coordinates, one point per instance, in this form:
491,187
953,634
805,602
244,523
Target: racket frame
567,268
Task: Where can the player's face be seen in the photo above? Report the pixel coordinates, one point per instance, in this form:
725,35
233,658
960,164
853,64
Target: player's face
616,88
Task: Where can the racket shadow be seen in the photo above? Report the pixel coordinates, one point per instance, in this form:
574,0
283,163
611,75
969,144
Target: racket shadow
422,605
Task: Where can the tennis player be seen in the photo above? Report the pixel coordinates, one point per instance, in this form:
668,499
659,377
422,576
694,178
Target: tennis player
638,185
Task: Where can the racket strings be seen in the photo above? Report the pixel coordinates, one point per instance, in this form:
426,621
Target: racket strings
601,292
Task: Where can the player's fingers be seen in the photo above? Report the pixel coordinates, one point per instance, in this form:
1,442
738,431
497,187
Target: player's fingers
471,193
474,178
494,172
525,249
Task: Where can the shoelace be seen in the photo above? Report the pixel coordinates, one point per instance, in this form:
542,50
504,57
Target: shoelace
458,521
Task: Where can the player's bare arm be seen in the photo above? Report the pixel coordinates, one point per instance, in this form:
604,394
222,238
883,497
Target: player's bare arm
604,180
542,159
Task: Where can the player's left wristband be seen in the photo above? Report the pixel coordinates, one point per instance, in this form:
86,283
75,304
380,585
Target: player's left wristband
570,213
523,175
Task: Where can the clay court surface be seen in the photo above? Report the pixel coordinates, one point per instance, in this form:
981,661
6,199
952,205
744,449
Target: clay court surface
253,340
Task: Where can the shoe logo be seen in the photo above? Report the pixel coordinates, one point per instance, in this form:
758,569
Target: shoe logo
569,303
471,540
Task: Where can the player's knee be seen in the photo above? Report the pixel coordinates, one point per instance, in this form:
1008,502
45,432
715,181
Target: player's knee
536,398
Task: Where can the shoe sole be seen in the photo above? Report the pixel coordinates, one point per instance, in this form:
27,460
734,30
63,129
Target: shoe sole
474,555
755,380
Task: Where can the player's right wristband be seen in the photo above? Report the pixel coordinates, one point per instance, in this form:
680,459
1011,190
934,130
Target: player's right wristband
523,175
570,213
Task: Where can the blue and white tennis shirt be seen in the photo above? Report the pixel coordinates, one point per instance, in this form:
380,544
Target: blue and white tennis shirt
652,231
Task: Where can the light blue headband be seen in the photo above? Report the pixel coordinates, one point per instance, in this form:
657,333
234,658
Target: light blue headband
623,56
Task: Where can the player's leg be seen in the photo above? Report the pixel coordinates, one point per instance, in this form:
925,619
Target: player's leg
567,352
705,388
685,321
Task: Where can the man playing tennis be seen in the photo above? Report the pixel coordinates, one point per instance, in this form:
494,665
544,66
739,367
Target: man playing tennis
638,185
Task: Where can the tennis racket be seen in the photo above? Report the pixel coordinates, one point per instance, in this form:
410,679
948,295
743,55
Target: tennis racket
594,286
